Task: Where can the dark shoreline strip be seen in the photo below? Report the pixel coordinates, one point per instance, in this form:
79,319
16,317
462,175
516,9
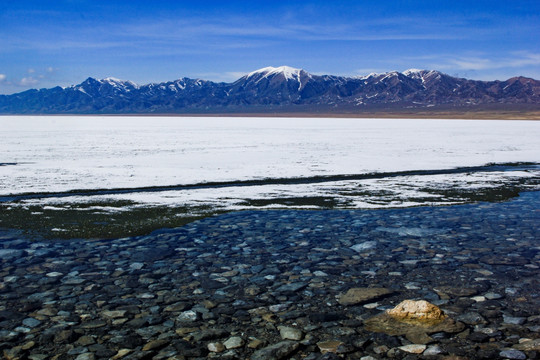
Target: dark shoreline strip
520,166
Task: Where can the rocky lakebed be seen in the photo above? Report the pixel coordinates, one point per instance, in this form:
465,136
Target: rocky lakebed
431,282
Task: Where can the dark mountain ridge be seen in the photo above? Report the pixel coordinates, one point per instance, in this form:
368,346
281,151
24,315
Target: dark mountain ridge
276,90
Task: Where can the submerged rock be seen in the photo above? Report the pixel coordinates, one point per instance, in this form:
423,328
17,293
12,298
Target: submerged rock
419,311
330,346
415,320
278,351
289,333
413,348
356,296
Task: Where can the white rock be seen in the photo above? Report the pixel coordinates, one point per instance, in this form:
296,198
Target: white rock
366,245
187,316
479,298
234,342
432,350
54,274
216,347
413,348
136,266
289,333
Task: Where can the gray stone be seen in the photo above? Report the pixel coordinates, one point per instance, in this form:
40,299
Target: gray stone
472,318
366,245
31,322
514,320
113,314
136,266
528,345
513,354
278,351
360,295
85,356
432,350
9,254
216,347
187,316
234,342
293,287
493,296
413,348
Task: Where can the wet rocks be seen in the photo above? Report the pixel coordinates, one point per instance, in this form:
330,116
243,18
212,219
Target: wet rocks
283,284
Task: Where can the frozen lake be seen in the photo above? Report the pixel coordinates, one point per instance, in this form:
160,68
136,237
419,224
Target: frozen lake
60,161
56,154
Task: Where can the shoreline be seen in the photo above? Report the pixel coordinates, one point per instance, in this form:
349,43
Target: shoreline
433,115
405,116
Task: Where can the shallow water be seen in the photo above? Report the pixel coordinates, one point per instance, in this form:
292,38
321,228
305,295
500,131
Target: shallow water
479,262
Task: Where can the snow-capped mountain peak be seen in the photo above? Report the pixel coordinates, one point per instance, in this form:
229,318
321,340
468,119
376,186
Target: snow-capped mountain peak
287,71
410,72
120,83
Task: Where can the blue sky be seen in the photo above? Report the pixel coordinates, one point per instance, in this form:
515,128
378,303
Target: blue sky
62,42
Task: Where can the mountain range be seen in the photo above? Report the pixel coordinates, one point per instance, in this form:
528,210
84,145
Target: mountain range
281,89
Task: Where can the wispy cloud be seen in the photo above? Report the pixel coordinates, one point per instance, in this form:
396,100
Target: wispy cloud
228,76
3,77
516,60
225,32
477,61
29,81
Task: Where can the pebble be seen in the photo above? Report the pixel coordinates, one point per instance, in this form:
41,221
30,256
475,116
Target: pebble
187,316
432,350
216,347
493,296
513,320
513,354
31,322
121,353
289,333
277,351
356,296
329,346
234,342
413,348
85,356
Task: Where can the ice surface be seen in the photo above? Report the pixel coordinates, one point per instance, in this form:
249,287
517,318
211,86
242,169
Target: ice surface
61,153
64,153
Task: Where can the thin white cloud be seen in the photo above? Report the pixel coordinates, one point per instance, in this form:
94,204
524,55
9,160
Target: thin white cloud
2,77
519,59
29,81
476,62
228,76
